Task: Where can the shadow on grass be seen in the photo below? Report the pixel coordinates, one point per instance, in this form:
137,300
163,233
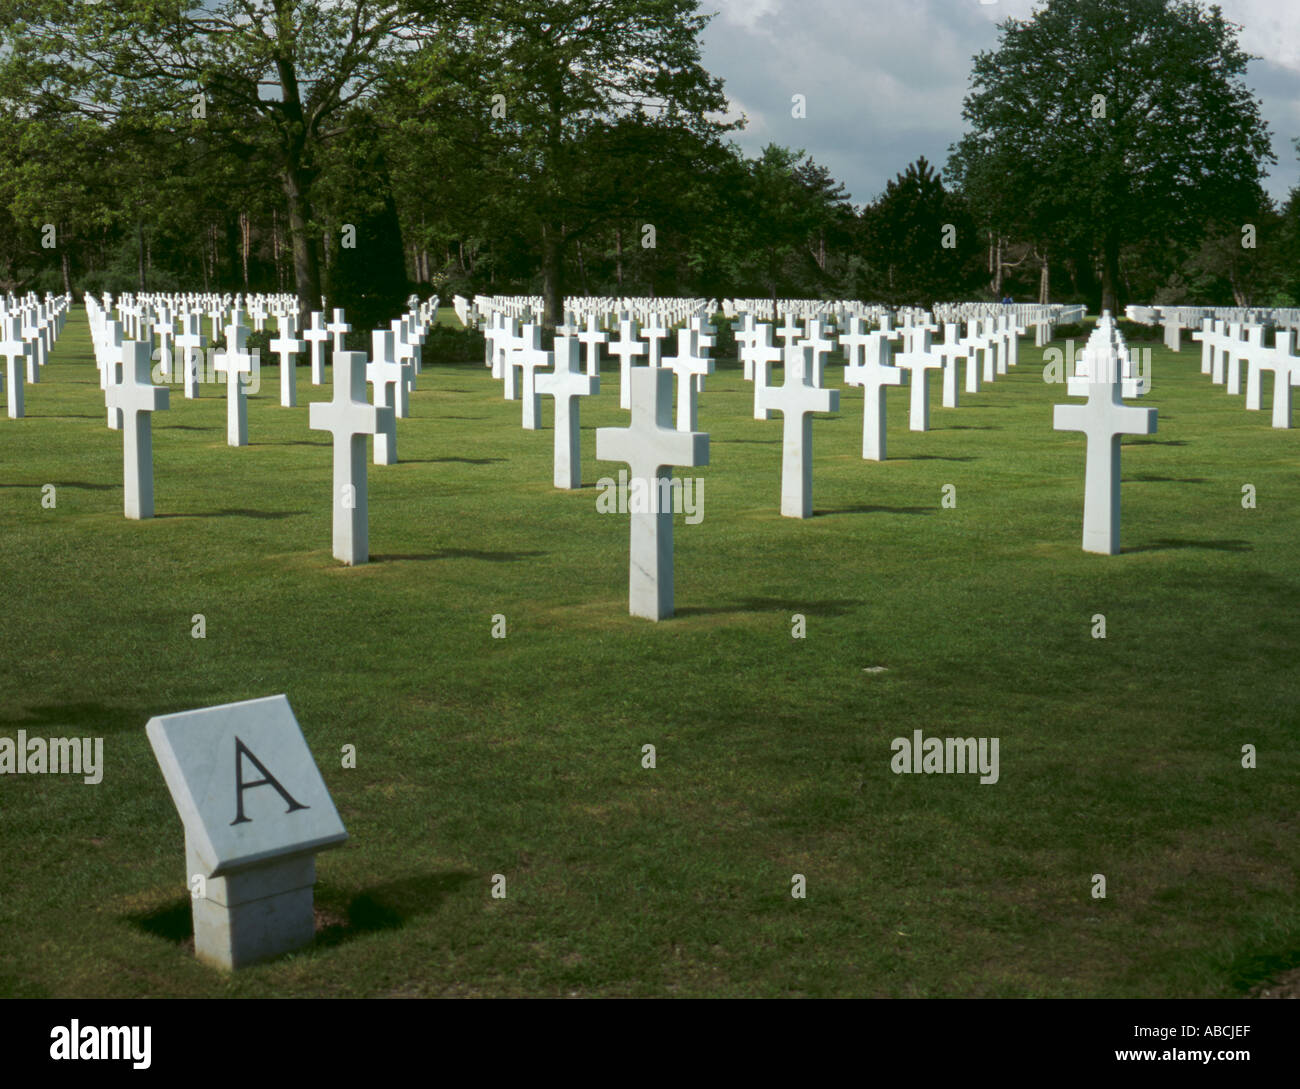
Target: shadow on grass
82,719
459,554
756,442
1252,974
339,918
867,508
70,484
263,515
294,442
461,461
1147,478
933,457
1157,442
64,415
833,607
185,427
970,427
1169,543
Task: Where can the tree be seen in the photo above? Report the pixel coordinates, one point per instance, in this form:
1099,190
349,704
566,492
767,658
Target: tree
270,78
578,97
1101,121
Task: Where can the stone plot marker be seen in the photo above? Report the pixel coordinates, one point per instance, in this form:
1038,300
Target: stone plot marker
651,446
234,363
255,811
351,418
873,373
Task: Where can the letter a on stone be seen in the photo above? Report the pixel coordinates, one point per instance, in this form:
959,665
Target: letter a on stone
252,841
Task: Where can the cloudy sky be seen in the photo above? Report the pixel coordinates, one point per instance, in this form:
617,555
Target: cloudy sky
884,79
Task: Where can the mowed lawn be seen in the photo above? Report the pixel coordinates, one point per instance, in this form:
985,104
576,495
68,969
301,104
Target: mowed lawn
522,756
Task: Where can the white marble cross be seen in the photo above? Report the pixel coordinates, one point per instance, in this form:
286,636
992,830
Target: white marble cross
287,346
976,346
384,373
626,347
797,398
790,333
1206,337
530,358
817,340
163,327
351,418
316,335
746,336
1103,419
687,365
235,362
654,331
15,350
339,328
113,370
136,397
566,383
993,365
873,374
651,446
1282,361
592,338
759,357
406,359
189,345
918,361
950,352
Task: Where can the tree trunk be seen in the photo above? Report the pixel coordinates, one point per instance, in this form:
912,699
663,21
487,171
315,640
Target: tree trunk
139,253
1110,275
1044,283
306,269
67,270
245,236
552,277
997,271
618,257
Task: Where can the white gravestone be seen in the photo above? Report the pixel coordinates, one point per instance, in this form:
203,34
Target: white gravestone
918,362
592,338
797,398
316,335
189,348
566,383
687,365
384,373
651,446
255,811
626,347
762,354
287,346
234,363
14,348
1103,420
530,358
136,397
351,418
873,374
339,329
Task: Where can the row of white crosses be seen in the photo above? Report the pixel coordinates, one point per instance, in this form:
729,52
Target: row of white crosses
1175,319
28,329
1225,346
130,395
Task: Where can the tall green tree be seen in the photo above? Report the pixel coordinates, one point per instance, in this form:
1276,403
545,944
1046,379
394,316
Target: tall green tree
1101,121
274,76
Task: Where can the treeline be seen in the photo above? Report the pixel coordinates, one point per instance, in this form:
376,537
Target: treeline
365,150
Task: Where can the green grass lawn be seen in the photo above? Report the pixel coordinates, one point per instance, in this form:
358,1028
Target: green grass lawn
522,756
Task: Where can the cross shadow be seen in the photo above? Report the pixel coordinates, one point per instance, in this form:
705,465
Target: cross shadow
70,484
1157,442
1149,479
65,416
831,607
461,461
440,416
459,554
970,427
933,457
290,442
189,427
756,442
1168,543
83,719
865,508
264,515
